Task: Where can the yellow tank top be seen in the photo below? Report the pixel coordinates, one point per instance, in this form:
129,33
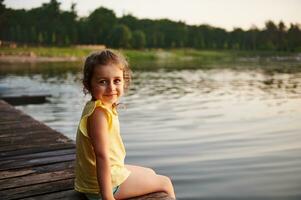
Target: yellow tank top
85,165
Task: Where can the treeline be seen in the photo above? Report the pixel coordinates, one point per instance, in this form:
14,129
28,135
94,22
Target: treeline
49,25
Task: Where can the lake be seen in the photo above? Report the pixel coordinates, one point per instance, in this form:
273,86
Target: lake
218,132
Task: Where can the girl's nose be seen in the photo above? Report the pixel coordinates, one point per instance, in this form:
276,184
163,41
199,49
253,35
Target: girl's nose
111,86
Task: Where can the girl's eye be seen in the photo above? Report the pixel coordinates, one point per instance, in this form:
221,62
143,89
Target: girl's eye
103,82
117,81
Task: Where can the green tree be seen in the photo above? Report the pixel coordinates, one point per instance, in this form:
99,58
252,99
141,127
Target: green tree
195,38
99,24
252,38
120,36
130,21
175,33
294,38
281,40
49,25
138,39
237,39
270,36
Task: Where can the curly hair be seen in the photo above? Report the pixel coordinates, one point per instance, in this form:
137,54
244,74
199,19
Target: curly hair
101,58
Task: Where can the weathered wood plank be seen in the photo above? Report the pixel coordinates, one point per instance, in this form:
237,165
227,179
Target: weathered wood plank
25,131
12,118
15,173
36,179
34,149
62,195
20,163
11,173
18,126
43,138
38,189
40,154
11,150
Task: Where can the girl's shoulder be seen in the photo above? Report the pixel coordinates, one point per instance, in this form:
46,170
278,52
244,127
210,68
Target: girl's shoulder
89,110
92,105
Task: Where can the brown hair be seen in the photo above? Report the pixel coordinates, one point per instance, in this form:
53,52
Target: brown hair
101,58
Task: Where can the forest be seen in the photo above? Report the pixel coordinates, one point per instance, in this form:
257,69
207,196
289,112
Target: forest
48,25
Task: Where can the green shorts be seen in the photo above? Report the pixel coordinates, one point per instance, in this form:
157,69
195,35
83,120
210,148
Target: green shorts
98,196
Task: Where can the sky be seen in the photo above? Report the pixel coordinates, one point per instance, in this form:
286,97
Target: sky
227,14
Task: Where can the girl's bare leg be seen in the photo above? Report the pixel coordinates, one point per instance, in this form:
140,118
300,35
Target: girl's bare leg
143,181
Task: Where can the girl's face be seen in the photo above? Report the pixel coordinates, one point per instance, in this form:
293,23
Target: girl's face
107,84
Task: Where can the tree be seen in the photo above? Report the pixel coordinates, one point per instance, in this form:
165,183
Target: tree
130,21
252,38
270,36
239,39
120,37
281,37
49,25
99,24
294,38
195,38
138,39
2,7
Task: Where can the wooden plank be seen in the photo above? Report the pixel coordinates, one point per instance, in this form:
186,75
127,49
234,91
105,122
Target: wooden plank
40,154
14,173
41,139
12,118
23,124
24,135
20,163
38,189
62,195
24,131
36,179
11,173
19,126
34,149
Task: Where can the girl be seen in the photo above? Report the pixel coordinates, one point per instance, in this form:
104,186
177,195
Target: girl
100,172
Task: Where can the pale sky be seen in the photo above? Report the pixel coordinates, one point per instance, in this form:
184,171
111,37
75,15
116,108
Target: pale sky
219,13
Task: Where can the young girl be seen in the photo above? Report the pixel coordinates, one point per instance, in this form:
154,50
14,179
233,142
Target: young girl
100,172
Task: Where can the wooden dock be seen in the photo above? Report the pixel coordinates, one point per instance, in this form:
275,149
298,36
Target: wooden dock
37,162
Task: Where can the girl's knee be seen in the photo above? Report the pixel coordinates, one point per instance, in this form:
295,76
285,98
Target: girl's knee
167,186
166,181
151,171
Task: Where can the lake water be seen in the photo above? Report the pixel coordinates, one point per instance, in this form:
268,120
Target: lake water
218,133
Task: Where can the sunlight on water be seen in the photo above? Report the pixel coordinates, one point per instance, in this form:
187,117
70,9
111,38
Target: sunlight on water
219,134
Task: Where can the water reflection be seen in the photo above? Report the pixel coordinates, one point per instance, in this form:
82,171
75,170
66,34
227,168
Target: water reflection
46,70
219,133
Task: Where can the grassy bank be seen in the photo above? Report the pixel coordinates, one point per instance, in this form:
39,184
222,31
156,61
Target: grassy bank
150,59
45,51
152,54
162,58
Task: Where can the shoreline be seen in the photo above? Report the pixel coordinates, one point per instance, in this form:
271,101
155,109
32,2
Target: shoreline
36,59
55,54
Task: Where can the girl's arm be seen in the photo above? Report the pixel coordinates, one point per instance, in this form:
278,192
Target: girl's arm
98,132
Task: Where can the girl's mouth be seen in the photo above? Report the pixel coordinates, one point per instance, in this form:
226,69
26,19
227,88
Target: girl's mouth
109,95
